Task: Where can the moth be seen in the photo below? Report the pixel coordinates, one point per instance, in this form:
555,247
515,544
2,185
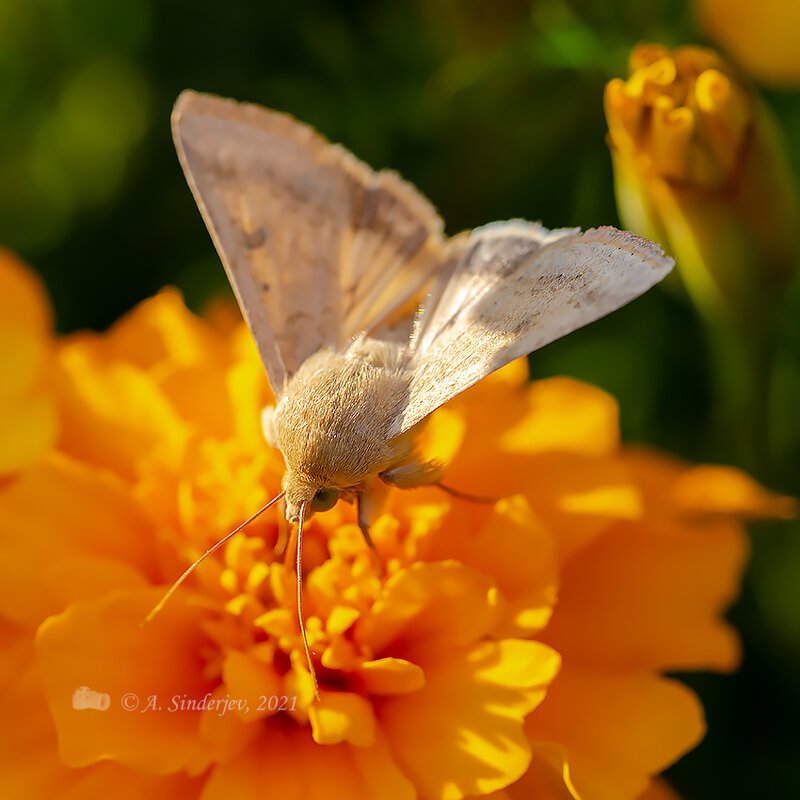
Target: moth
326,258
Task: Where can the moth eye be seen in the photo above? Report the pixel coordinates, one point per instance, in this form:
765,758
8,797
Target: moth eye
324,499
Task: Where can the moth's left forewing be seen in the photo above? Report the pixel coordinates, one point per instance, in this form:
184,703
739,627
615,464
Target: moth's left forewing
318,247
516,288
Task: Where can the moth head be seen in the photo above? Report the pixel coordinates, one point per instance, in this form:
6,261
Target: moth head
300,490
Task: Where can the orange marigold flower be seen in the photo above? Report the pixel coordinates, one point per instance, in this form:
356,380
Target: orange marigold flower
512,650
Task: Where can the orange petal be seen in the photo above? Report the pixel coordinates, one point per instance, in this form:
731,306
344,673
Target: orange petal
54,516
199,396
710,489
620,502
655,474
442,436
575,496
162,329
29,762
648,595
30,765
342,717
566,415
249,392
28,428
430,604
618,728
340,619
23,355
111,780
341,654
162,337
23,298
286,763
509,543
225,733
149,675
512,376
659,789
541,781
251,682
386,676
28,420
483,428
553,416
462,733
113,413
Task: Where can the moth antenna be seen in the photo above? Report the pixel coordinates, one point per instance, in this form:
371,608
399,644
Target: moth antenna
300,599
472,498
185,574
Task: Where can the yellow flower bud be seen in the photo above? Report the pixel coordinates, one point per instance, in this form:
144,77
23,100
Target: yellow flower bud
699,168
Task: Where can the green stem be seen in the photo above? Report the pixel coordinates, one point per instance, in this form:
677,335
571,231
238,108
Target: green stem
743,358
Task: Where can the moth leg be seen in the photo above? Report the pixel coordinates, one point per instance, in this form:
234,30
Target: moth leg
472,498
413,473
369,504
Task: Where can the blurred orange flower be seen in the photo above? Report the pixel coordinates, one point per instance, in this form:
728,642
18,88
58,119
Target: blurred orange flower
761,36
513,650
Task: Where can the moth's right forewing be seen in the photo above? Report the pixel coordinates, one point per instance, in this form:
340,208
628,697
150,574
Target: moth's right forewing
508,297
482,257
316,245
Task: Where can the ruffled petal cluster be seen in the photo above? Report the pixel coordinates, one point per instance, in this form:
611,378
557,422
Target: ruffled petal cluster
510,649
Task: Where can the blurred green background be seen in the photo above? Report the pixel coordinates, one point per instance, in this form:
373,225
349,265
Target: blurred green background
494,110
